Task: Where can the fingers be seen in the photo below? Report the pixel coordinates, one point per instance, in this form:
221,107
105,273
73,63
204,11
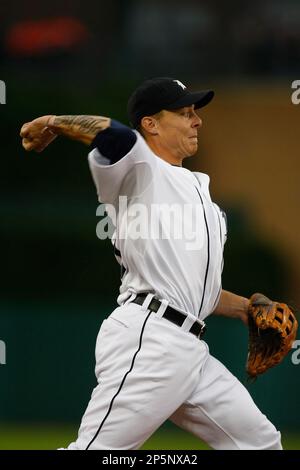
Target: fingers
31,144
31,129
24,130
36,135
38,144
28,144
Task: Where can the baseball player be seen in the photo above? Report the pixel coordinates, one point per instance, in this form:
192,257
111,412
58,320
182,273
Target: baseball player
151,361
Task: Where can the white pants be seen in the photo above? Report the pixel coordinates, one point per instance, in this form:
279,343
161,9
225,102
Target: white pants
149,370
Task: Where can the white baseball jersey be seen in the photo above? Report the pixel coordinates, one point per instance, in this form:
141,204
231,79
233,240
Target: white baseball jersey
148,368
169,234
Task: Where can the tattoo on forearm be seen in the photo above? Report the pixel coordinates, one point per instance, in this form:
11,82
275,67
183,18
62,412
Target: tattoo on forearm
83,124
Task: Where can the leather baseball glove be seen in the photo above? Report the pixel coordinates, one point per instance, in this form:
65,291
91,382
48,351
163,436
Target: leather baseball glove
272,330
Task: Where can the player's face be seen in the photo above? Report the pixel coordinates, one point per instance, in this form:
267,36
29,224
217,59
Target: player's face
178,131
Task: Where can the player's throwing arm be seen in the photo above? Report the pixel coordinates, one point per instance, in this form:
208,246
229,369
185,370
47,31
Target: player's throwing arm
39,133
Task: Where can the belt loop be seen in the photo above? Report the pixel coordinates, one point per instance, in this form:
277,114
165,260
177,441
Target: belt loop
130,299
188,323
147,301
203,327
163,306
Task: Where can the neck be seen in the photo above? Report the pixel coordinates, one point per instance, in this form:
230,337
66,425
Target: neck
164,153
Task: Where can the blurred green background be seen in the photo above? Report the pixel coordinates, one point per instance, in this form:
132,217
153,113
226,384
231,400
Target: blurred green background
58,281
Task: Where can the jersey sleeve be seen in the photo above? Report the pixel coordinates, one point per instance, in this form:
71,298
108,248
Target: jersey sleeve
125,167
114,142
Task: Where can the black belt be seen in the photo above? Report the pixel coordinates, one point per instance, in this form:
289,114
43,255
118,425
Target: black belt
172,315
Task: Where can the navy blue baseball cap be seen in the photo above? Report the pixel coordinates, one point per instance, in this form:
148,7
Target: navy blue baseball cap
156,94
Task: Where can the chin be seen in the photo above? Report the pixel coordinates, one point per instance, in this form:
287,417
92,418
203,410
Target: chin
193,151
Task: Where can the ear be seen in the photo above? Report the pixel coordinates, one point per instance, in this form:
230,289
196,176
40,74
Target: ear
149,124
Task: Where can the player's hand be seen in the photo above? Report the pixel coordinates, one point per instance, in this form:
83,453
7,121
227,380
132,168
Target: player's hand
36,135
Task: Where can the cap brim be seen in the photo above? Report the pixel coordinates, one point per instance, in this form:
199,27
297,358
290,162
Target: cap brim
199,99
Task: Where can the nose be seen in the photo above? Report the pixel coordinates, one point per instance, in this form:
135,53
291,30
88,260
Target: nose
197,121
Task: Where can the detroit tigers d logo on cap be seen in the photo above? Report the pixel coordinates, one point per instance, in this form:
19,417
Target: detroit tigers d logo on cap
180,84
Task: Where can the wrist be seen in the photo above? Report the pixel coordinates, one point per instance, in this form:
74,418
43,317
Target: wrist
244,310
50,120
